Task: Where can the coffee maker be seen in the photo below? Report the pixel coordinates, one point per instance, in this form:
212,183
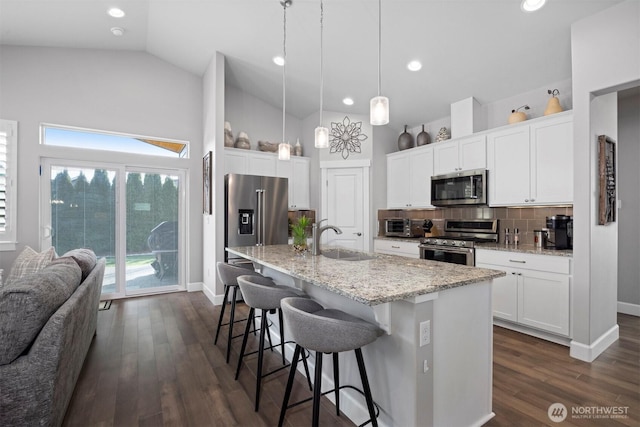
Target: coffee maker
560,232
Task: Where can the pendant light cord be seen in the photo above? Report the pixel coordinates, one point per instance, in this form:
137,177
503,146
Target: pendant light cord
284,69
321,59
379,40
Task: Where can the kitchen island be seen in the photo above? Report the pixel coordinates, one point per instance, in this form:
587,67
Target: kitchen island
434,365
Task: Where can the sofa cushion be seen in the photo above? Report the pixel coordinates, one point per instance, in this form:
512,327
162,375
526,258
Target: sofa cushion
28,302
30,261
85,258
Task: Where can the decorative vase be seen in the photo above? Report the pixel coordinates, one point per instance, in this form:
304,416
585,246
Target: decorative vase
301,249
423,138
297,149
442,135
517,116
228,135
553,106
243,141
405,140
270,147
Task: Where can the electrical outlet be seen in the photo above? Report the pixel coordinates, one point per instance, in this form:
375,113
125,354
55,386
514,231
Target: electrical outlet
425,332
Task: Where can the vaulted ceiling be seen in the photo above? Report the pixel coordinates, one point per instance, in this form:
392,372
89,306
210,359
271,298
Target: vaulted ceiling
486,49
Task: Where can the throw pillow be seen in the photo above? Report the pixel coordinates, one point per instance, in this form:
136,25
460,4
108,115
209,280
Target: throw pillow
27,303
30,261
85,258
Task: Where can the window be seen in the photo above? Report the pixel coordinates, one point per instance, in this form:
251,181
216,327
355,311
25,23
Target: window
8,184
62,136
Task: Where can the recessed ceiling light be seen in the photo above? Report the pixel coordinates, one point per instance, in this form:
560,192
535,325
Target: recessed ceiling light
347,101
117,31
278,60
116,12
532,5
414,65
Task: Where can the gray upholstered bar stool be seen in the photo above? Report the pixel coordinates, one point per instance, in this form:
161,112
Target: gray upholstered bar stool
322,330
264,294
229,276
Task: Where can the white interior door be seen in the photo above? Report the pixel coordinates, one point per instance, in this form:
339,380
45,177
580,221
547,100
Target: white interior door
345,198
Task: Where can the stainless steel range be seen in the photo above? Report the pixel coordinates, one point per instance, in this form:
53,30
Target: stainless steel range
457,244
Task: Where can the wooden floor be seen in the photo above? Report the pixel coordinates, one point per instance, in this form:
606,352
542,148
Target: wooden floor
153,363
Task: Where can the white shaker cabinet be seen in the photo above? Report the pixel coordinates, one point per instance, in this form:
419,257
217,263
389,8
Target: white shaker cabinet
250,162
462,154
534,293
297,171
532,164
409,178
407,249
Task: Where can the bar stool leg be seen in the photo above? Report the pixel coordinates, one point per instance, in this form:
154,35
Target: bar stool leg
244,340
336,381
306,369
365,386
263,327
231,319
317,385
292,374
281,320
224,306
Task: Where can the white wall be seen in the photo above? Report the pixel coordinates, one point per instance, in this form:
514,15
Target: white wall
629,196
605,58
129,92
261,121
213,128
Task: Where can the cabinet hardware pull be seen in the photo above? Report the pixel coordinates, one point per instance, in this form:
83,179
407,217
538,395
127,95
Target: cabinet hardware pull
526,200
519,262
358,233
395,247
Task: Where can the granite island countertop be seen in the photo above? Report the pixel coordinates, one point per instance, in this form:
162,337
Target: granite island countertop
382,279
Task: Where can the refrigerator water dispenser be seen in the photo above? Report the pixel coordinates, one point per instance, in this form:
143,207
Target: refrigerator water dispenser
245,221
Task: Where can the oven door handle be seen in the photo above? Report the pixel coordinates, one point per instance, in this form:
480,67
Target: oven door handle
450,249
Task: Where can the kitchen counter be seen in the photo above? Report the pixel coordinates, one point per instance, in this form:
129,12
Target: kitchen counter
385,278
527,248
400,239
435,315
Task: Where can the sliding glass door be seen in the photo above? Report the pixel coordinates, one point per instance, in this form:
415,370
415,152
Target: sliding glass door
135,225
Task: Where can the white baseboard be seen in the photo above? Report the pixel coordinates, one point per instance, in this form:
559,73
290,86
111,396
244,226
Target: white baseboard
210,294
627,308
194,287
588,353
533,332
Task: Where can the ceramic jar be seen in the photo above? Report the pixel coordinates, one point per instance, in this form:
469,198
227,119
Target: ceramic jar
405,140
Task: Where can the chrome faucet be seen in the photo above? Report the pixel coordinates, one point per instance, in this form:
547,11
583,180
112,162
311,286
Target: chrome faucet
317,231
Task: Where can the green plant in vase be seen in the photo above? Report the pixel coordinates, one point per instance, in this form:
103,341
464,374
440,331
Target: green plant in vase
299,234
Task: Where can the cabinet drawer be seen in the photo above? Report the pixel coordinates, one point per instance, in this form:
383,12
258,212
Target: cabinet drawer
548,263
394,247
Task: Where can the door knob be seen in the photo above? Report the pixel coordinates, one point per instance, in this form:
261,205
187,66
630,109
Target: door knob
358,233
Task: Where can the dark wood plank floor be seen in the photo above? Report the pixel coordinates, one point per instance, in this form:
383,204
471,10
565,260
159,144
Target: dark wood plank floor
153,363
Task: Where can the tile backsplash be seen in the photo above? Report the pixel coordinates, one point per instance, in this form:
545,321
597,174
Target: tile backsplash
525,219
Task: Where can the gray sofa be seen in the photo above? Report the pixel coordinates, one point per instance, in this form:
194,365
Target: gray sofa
53,312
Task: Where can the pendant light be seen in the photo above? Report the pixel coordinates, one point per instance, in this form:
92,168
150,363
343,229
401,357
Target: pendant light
321,133
284,149
379,105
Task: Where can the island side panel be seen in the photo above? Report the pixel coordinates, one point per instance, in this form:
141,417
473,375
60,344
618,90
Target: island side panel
463,356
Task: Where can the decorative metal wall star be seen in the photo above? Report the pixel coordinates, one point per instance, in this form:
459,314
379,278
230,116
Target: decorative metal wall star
346,137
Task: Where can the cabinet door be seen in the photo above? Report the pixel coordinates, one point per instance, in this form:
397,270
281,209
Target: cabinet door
394,247
263,164
508,165
504,293
543,301
472,153
235,161
552,161
398,178
299,183
421,165
445,157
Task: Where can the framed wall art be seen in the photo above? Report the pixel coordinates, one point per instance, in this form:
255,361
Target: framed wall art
207,207
607,180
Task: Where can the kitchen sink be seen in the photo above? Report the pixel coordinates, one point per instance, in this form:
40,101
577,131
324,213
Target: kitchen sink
346,255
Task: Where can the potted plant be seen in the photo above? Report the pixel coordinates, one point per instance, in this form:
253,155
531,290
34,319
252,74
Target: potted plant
299,234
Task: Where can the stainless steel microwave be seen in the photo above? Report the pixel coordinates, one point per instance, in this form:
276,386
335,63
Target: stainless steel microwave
460,188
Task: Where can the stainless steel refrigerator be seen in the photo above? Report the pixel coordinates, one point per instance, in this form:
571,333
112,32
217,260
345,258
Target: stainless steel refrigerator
256,211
